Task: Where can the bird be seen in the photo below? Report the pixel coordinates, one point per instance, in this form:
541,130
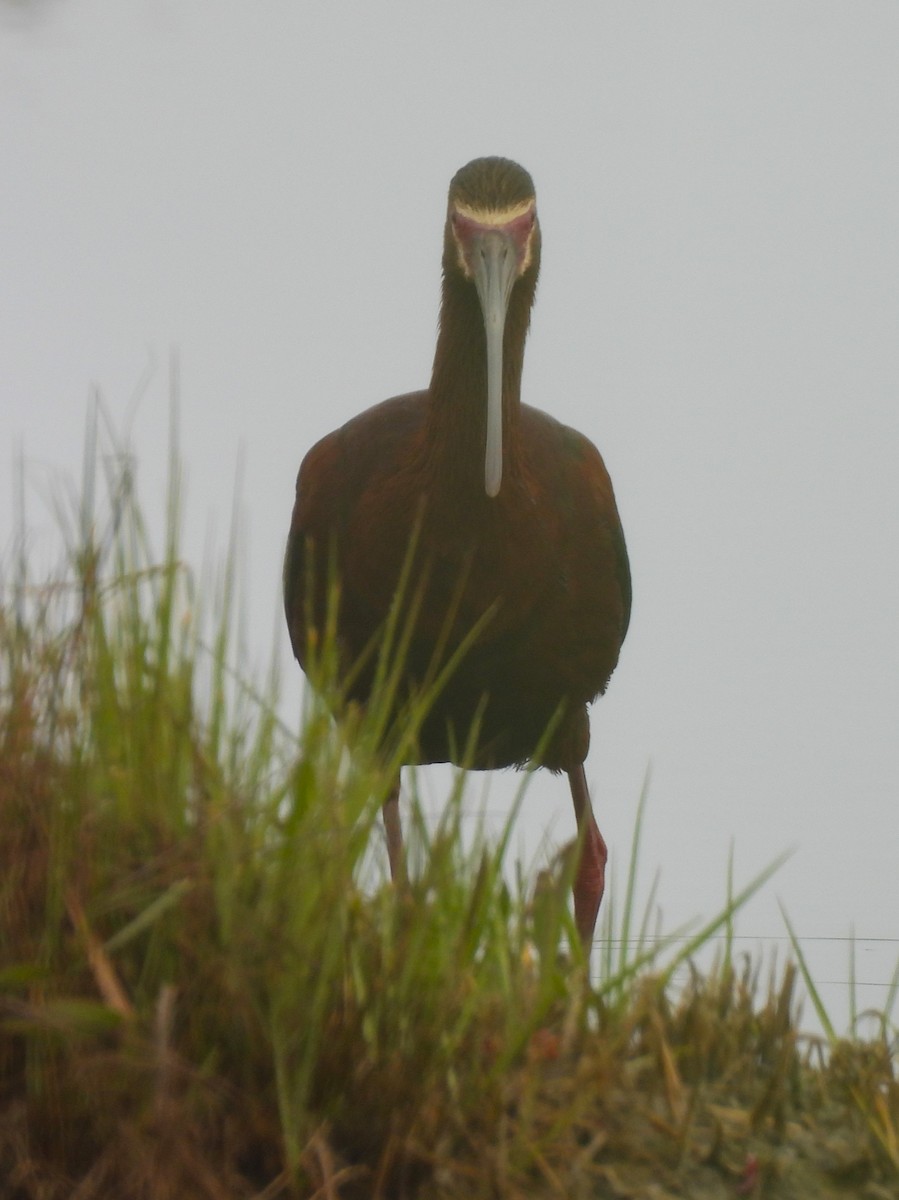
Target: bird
509,517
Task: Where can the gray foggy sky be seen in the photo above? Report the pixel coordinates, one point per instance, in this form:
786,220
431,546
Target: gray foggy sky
262,187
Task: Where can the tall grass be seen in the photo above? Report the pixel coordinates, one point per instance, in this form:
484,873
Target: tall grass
208,987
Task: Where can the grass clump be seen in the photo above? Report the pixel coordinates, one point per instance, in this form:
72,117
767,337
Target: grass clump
208,989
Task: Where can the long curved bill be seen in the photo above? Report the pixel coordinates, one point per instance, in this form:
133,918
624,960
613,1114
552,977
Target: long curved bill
494,267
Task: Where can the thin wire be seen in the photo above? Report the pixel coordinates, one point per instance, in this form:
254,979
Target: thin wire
750,937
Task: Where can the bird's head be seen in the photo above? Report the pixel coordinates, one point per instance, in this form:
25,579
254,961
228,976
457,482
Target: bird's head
492,242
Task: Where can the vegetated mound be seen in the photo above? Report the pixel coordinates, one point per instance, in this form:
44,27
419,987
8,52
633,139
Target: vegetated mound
170,1028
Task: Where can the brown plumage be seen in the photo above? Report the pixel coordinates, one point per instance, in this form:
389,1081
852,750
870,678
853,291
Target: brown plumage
515,514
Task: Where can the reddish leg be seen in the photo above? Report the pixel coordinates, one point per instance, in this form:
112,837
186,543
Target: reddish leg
590,879
394,830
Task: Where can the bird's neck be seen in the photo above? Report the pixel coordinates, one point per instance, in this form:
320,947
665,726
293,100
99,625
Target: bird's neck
457,419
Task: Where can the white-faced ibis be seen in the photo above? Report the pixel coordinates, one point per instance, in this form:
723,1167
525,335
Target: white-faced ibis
513,513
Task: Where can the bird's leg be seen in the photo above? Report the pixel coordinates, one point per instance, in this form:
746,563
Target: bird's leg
394,830
590,880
